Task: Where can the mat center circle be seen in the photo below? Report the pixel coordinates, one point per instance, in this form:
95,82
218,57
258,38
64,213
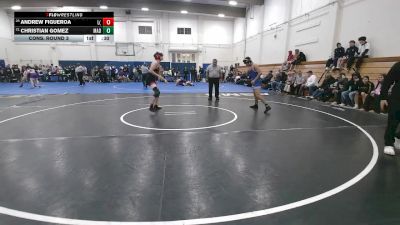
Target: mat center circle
179,118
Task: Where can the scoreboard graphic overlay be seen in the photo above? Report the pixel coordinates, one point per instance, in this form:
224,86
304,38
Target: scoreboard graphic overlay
89,27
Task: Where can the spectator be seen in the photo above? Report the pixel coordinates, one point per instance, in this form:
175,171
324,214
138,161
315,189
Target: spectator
350,55
364,90
103,75
339,87
127,73
372,101
351,90
299,57
311,83
201,72
323,93
287,64
24,77
289,82
3,77
8,72
266,80
298,83
95,74
363,52
278,81
107,69
193,74
122,75
185,73
16,73
333,61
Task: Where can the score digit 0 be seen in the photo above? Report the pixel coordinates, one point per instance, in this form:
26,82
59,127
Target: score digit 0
109,22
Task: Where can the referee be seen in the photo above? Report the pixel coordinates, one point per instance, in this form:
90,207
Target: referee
80,71
213,74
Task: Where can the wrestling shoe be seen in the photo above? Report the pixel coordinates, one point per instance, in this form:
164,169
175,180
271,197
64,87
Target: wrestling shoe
254,106
267,108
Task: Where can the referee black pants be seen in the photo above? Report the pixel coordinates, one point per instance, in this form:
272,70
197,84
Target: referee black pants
213,82
80,78
392,123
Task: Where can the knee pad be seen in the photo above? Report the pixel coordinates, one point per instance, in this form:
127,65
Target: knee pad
156,92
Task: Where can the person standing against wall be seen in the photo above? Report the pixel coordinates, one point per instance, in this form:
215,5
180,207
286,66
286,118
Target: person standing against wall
213,74
185,73
193,74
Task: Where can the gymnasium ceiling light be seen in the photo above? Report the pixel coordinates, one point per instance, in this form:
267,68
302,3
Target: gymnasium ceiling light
145,9
221,15
233,3
184,11
16,7
103,7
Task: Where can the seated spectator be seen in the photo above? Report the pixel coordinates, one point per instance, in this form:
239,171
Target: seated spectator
121,75
298,82
338,86
363,52
323,93
103,75
333,61
107,69
311,84
351,90
95,74
279,79
266,80
287,64
113,72
372,101
126,73
349,57
289,82
299,57
363,91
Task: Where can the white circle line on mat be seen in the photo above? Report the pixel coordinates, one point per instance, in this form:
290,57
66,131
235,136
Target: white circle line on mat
122,118
210,220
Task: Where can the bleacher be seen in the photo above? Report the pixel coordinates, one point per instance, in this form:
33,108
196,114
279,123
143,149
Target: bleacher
371,67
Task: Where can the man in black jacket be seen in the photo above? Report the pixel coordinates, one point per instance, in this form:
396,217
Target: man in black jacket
299,58
339,53
351,53
392,137
323,92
